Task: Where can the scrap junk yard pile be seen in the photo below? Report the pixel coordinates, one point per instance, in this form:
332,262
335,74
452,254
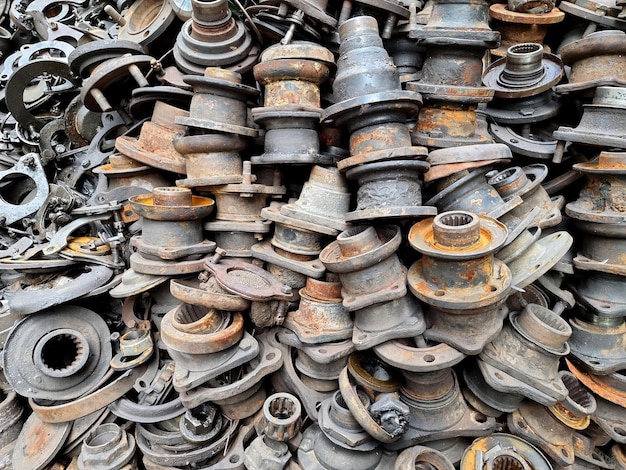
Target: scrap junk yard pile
302,234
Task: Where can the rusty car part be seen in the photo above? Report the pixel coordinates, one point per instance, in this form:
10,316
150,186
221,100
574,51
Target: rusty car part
530,257
419,456
71,353
151,405
219,103
370,105
459,278
469,190
66,287
286,124
159,443
445,162
265,453
392,10
318,452
38,443
172,224
107,447
587,330
196,330
490,451
340,426
526,183
210,159
201,424
126,177
407,56
243,201
603,14
280,422
319,364
20,82
324,200
450,76
598,214
292,251
11,419
529,140
418,355
525,71
282,417
23,189
321,316
523,82
381,322
135,347
386,419
154,146
288,263
231,389
85,57
389,189
602,294
587,453
532,421
438,410
576,410
105,87
269,295
134,283
194,370
207,293
291,74
485,398
321,353
518,27
371,373
97,399
360,256
540,334
214,38
238,238
595,60
523,112
11,422
287,379
600,121
610,387
145,21
608,417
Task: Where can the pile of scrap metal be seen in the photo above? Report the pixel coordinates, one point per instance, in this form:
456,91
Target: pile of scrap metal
301,234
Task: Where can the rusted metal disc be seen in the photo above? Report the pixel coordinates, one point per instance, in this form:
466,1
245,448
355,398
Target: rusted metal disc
38,443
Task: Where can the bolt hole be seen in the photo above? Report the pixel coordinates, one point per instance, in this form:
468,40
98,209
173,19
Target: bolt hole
480,418
440,293
270,356
429,358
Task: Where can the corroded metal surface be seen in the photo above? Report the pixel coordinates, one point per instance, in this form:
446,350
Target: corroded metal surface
233,314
